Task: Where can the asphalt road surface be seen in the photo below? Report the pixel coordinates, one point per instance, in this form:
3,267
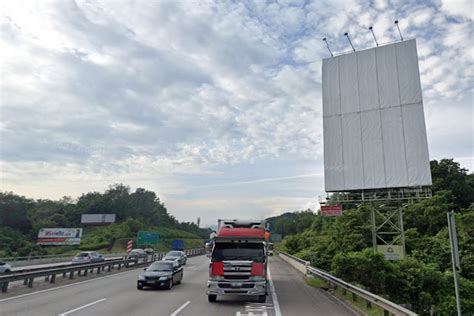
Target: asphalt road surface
116,294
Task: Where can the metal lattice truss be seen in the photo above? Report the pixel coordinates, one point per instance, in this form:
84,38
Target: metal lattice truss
387,224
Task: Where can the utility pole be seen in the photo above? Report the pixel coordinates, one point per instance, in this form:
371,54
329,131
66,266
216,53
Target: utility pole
453,238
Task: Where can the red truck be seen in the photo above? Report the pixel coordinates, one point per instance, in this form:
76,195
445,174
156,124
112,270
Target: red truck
238,264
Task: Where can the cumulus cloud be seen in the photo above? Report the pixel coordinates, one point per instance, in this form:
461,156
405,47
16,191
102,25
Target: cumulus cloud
165,94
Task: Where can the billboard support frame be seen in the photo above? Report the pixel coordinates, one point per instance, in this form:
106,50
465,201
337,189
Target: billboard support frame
386,210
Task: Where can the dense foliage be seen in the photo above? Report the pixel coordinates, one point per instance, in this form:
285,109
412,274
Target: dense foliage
424,280
21,218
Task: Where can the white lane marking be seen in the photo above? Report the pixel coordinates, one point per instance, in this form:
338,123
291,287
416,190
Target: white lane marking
176,312
67,285
82,307
276,305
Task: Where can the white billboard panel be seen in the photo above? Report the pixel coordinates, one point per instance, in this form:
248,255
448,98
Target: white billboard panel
59,236
97,219
352,153
367,75
374,126
333,162
387,76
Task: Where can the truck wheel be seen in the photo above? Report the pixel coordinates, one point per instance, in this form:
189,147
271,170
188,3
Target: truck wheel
261,298
212,298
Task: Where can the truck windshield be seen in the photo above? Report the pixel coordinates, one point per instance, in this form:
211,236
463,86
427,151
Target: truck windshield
236,251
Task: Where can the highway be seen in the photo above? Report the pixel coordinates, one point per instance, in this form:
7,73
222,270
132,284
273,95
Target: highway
116,294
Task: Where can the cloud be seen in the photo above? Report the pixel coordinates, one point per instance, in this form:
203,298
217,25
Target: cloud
458,8
171,95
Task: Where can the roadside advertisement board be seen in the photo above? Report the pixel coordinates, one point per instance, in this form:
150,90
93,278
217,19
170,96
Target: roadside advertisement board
391,252
331,210
97,219
59,236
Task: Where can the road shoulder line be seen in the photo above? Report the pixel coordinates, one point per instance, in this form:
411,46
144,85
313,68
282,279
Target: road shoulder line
276,304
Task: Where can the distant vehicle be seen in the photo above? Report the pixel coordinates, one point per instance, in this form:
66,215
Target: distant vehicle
180,256
177,244
149,251
161,274
137,253
5,267
87,257
270,249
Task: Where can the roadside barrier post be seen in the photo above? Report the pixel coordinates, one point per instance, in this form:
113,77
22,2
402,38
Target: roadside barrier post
4,287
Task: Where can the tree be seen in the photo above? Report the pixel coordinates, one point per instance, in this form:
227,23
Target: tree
448,175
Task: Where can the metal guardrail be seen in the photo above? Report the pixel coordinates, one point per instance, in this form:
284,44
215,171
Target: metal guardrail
56,265
82,269
370,298
36,257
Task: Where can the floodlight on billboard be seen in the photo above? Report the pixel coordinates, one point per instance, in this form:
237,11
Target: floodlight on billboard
373,120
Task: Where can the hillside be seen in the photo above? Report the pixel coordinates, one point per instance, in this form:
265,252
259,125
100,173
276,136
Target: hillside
21,218
423,281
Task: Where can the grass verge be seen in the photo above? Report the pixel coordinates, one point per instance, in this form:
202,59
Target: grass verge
360,304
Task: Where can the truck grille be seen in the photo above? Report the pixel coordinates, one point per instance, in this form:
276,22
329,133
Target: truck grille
229,286
237,270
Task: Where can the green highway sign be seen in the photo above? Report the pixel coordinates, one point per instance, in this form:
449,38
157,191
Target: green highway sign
147,238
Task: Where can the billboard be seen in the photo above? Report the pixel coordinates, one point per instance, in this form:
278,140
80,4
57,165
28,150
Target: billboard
373,121
59,236
97,219
331,210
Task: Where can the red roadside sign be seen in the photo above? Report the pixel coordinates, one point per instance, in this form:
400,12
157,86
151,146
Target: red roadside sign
331,210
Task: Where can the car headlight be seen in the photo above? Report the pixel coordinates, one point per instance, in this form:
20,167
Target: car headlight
141,277
164,278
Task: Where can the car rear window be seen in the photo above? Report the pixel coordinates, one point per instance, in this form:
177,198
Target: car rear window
236,251
160,266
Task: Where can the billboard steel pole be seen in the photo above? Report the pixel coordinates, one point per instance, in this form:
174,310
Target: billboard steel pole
374,229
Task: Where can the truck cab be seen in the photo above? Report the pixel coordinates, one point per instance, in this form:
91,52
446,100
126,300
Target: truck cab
238,264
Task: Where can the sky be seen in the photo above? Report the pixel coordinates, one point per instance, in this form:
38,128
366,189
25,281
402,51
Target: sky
214,105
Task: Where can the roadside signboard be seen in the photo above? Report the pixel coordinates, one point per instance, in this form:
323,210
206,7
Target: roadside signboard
97,219
59,236
276,238
147,238
331,210
391,252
